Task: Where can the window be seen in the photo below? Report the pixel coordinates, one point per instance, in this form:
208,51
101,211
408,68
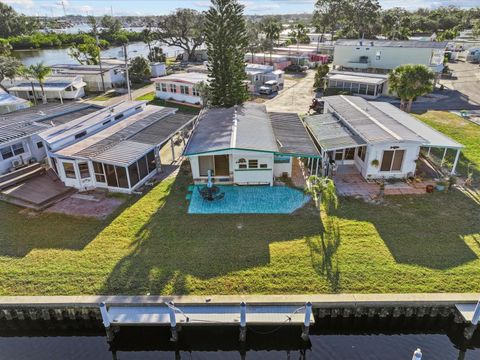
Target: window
363,89
361,151
39,145
80,135
133,174
253,164
99,172
242,164
152,164
205,163
6,152
84,171
122,177
118,117
195,92
392,160
339,155
142,167
106,122
184,89
18,149
378,55
263,166
163,87
349,154
281,160
69,170
111,176
173,88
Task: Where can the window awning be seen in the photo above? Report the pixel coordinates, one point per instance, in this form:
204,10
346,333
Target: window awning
331,134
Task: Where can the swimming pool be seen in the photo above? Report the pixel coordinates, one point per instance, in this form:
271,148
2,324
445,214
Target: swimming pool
250,200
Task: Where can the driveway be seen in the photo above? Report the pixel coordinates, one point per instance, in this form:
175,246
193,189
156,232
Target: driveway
118,99
296,96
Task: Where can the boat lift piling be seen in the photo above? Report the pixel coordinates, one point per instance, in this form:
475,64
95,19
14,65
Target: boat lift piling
243,321
173,322
306,322
106,322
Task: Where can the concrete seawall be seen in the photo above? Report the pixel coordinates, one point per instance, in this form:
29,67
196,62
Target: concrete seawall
326,305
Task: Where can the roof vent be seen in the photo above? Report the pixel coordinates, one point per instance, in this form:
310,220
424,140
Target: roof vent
371,43
361,42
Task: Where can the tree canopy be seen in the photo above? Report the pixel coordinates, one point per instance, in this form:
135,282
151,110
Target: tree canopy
226,66
184,28
139,69
9,68
40,72
87,53
409,82
13,24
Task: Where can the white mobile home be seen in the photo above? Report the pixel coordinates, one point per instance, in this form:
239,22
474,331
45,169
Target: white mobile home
58,87
247,146
381,56
19,140
380,140
113,75
123,156
258,75
180,87
367,85
10,103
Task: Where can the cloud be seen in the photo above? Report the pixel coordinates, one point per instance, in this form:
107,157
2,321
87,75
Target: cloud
20,3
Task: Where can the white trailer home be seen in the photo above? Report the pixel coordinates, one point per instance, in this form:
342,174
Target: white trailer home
247,146
378,139
113,75
181,87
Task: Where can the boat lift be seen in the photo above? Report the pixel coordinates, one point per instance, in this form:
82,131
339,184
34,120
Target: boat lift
169,314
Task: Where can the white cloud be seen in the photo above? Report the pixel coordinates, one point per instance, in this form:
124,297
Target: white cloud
20,3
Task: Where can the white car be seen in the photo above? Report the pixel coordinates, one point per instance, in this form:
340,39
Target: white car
269,87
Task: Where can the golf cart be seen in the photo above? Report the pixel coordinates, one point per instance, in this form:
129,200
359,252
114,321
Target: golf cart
269,87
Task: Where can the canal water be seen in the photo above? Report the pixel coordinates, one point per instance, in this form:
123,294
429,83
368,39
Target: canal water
60,56
352,339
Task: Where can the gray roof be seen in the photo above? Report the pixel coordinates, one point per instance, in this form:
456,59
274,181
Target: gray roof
291,135
330,133
128,140
369,122
26,122
217,130
393,43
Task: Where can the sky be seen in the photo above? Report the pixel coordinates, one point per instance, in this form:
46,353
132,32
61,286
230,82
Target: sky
160,7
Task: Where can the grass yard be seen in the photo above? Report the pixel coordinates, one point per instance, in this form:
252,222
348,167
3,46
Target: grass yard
150,97
463,131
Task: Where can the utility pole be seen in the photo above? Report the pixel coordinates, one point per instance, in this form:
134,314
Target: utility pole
126,72
100,62
64,11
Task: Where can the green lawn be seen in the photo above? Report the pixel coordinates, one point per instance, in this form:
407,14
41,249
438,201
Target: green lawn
463,131
150,97
427,243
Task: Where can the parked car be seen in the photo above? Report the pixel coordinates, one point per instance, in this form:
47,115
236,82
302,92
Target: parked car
269,87
295,68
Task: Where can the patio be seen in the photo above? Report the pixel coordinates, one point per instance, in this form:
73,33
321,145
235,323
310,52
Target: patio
249,200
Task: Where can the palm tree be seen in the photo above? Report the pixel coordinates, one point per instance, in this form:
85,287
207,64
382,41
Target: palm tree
323,191
272,28
40,72
409,82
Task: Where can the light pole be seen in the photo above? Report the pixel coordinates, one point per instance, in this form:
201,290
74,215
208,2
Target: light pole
100,62
126,72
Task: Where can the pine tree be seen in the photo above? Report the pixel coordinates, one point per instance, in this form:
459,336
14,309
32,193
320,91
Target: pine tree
227,40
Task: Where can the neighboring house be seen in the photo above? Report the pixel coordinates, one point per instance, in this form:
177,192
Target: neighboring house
300,54
19,140
316,38
258,74
181,87
367,85
158,69
123,156
473,55
247,146
10,103
61,87
380,140
381,56
113,75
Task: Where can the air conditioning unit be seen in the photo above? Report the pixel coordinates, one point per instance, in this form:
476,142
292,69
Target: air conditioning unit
16,163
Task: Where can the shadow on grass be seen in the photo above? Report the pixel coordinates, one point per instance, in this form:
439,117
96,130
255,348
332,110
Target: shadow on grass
173,245
323,251
426,230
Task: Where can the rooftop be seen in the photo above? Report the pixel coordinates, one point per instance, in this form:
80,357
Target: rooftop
126,141
392,43
190,77
35,119
370,123
52,83
84,122
363,78
82,69
7,99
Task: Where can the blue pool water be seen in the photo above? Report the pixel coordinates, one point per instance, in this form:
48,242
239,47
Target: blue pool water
250,200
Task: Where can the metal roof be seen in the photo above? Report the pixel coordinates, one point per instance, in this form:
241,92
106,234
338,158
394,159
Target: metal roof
33,120
190,77
393,43
369,122
248,128
128,140
331,134
291,135
433,137
357,79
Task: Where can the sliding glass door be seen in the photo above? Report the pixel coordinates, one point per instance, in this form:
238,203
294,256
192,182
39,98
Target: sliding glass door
392,160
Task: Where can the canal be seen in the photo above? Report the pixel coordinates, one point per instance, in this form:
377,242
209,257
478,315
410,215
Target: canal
332,339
